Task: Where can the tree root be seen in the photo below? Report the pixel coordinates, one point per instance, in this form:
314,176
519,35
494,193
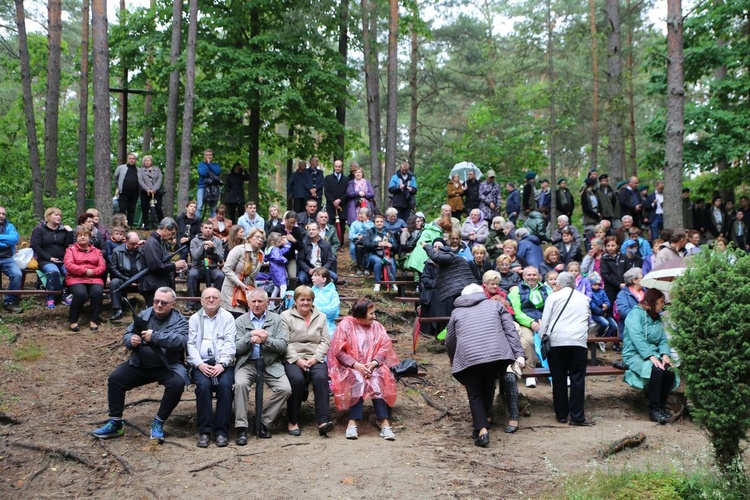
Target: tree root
67,454
618,446
208,466
474,463
123,462
428,400
36,474
293,444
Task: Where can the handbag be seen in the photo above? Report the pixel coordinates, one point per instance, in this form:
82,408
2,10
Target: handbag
546,340
239,299
405,368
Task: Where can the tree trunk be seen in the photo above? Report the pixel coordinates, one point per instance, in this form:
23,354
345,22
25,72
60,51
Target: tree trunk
148,106
633,170
552,116
595,82
83,110
289,167
372,84
122,106
616,153
343,52
187,115
253,160
675,117
28,109
102,167
391,129
414,99
52,105
170,141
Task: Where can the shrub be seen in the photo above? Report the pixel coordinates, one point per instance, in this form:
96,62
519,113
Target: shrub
710,319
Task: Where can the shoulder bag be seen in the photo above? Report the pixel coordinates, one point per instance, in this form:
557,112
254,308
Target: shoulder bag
546,346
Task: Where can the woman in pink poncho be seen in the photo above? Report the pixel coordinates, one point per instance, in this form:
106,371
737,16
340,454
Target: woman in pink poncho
359,363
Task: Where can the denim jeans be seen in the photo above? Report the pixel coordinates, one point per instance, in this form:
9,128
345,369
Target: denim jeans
199,202
54,281
9,268
607,326
376,262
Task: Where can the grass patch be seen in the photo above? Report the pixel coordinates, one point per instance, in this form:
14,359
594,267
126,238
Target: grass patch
31,352
6,334
651,485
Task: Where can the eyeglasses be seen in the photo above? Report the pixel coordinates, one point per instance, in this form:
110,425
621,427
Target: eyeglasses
162,302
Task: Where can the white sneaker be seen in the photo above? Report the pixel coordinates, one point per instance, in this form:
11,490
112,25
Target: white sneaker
602,347
394,288
387,433
568,381
376,287
351,432
360,273
531,382
367,273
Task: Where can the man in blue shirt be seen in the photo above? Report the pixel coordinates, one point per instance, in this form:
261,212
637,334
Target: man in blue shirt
207,165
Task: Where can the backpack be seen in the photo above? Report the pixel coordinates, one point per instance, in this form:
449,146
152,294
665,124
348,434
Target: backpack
212,188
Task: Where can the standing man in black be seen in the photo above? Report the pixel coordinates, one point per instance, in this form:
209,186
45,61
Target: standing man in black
314,181
161,274
528,197
565,201
128,190
334,186
631,202
607,199
471,192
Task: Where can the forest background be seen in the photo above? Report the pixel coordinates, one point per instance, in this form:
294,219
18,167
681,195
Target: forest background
557,87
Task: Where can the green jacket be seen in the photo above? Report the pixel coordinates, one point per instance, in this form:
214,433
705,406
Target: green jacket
417,258
643,337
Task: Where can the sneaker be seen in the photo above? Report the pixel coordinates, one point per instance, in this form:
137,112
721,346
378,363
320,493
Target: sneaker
602,347
51,304
68,299
387,433
394,288
367,273
351,432
531,382
360,273
112,429
157,430
376,287
13,308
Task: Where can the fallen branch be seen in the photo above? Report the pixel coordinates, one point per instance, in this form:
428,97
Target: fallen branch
428,400
152,492
123,462
208,466
36,474
67,454
535,427
293,444
497,467
114,342
618,446
678,415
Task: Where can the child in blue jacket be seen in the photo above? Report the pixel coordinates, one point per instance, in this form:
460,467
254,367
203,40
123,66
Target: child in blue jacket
601,308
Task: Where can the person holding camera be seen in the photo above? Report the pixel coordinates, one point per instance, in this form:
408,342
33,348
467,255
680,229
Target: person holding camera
150,179
210,355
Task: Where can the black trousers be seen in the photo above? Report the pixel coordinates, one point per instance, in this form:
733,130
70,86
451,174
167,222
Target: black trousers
146,207
298,379
659,386
197,275
127,202
479,381
208,421
564,362
235,210
81,292
126,377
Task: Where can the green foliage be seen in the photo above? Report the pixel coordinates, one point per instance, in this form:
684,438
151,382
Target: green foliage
710,317
29,352
432,194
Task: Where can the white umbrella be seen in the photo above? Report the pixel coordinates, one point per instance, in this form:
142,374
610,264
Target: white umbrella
662,276
462,170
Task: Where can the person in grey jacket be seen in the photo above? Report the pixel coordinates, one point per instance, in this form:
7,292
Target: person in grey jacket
566,321
259,333
149,179
479,354
157,354
207,252
210,350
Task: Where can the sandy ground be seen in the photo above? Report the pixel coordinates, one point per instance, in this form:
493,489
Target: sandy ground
58,398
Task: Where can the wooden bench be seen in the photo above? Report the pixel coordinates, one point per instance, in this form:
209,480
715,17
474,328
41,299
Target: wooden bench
407,300
591,371
402,285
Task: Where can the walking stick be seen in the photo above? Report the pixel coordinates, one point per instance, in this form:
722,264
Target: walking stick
259,368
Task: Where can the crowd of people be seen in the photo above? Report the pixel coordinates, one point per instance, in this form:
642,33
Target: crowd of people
481,257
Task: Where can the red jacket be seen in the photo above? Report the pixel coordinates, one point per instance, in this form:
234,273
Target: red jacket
77,261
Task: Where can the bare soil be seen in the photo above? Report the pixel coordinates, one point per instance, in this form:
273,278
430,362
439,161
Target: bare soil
52,402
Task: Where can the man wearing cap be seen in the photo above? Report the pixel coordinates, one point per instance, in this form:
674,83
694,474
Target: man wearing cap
565,202
630,200
471,192
489,197
607,199
528,199
512,202
592,212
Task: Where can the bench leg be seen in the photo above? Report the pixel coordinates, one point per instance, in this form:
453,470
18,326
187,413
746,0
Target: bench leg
593,348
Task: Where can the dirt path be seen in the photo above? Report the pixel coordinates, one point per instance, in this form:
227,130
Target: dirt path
58,398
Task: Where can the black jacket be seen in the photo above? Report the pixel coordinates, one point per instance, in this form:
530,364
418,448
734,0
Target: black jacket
471,194
160,273
327,257
335,190
454,272
189,228
48,243
120,265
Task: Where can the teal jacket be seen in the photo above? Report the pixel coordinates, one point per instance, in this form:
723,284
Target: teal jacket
643,337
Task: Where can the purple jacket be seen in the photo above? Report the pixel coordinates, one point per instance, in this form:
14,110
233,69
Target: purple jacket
352,195
277,263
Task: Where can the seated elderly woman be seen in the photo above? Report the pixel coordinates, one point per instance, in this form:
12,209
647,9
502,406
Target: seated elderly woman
508,278
628,297
305,359
477,355
85,266
551,262
646,352
480,264
475,229
359,364
49,241
327,298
